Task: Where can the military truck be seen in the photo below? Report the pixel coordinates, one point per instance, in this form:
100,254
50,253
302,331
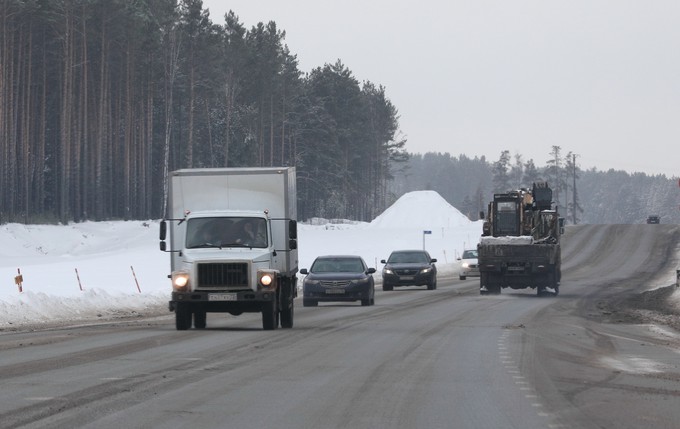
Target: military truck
232,235
520,243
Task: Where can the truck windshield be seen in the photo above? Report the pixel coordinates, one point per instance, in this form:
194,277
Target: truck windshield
226,232
506,222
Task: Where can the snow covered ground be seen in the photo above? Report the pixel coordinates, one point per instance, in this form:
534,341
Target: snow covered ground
84,270
87,270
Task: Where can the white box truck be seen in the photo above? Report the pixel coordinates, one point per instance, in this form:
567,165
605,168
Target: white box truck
232,236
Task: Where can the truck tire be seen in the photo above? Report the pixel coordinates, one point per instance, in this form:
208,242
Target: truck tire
182,317
491,288
287,307
200,319
270,316
552,283
483,280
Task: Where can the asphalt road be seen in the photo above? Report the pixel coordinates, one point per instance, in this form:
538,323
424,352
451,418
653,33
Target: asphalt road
447,358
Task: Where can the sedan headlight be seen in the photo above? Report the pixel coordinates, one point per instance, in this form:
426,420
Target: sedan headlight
312,282
426,270
180,281
387,271
465,265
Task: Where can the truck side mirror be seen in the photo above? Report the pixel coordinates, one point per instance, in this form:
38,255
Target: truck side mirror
162,234
292,229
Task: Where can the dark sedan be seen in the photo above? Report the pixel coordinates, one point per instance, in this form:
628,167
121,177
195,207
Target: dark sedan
338,278
409,268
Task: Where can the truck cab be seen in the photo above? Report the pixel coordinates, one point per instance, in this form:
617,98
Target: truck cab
232,237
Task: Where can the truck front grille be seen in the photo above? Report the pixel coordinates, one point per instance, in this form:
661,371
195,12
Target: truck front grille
223,275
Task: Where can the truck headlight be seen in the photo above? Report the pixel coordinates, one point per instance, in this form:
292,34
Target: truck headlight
465,265
266,279
180,281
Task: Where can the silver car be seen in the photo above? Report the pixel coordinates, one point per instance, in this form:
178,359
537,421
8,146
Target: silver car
468,264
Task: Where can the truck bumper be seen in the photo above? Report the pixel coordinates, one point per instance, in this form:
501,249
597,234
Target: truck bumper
223,301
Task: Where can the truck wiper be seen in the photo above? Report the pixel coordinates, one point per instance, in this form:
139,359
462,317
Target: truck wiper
205,246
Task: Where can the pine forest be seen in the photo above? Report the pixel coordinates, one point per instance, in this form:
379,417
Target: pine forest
101,99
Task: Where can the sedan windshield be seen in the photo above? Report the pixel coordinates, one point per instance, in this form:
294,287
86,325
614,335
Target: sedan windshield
409,257
469,254
337,265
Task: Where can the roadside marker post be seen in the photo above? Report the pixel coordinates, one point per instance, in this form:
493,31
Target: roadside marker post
78,277
135,276
18,280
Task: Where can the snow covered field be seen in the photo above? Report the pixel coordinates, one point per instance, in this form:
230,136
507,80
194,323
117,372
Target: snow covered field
82,270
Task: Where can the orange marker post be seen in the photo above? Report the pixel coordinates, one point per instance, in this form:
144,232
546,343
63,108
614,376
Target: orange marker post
19,279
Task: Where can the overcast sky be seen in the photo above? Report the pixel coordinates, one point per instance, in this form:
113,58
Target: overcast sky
599,78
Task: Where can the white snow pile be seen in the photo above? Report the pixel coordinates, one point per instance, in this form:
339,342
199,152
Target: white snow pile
424,209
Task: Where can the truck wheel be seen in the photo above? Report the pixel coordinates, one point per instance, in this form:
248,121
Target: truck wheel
287,315
200,318
270,316
288,310
483,280
182,317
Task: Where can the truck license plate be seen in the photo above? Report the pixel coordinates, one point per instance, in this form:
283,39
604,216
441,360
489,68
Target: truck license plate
335,291
222,297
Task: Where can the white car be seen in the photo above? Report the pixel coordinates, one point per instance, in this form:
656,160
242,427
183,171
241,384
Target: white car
468,264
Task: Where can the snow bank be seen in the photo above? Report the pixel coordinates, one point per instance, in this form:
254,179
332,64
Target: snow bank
84,270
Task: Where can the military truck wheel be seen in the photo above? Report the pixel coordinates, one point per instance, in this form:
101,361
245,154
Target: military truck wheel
200,319
270,316
182,317
483,279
